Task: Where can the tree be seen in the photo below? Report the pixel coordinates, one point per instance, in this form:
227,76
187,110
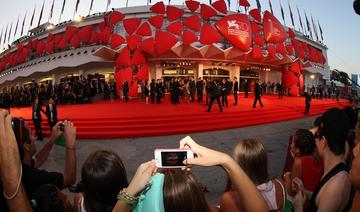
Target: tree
340,76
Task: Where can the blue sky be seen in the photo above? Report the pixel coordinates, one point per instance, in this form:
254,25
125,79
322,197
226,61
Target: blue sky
340,24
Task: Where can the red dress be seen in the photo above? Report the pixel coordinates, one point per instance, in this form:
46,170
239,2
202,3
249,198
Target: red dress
311,172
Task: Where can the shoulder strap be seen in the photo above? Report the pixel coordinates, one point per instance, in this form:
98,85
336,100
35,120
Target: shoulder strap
283,192
338,168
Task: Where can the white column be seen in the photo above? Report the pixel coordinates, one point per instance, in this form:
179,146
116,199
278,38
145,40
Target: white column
81,72
237,73
200,70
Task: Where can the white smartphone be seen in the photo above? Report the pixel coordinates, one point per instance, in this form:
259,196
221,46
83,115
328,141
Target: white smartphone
172,158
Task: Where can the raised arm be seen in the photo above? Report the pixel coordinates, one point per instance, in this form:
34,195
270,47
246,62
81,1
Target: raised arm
10,167
70,163
248,193
43,154
137,184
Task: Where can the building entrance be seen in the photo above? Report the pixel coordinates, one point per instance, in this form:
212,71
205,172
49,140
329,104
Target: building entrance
249,77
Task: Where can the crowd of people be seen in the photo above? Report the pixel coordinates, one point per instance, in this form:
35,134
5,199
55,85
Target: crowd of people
70,90
80,89
321,173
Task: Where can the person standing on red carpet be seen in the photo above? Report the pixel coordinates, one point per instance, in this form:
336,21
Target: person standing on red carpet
257,94
125,88
199,89
215,93
51,113
246,89
236,89
307,103
36,117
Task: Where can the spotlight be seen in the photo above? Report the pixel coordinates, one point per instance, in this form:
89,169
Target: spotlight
312,76
78,19
50,27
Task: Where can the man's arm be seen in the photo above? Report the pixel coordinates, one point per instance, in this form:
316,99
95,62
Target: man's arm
70,163
10,167
43,154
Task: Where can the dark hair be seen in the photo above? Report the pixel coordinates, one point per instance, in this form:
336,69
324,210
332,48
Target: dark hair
182,193
46,199
103,175
335,127
305,141
352,115
22,134
317,121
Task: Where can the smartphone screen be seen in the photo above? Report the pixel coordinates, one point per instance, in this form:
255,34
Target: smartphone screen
173,158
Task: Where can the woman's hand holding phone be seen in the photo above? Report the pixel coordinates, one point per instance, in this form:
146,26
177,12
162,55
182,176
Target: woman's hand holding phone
141,177
203,156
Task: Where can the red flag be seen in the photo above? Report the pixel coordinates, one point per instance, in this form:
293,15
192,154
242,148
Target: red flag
51,10
91,5
244,3
5,34
2,30
271,8
291,15
16,27
10,33
23,23
41,13
76,6
321,32
108,3
302,28
63,7
282,12
32,17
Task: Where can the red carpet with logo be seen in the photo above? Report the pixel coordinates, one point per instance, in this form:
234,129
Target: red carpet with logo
117,119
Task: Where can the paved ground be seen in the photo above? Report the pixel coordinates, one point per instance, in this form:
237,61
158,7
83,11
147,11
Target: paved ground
134,151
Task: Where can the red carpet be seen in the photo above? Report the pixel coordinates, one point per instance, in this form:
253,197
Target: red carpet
118,119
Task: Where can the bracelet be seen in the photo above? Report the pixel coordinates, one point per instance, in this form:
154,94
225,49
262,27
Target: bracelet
127,198
10,197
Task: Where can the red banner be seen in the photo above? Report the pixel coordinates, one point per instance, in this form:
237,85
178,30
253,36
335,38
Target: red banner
273,30
237,30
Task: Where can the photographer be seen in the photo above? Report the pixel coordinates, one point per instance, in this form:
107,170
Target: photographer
32,177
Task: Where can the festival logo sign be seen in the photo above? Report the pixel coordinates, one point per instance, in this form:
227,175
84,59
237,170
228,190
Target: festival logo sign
273,30
237,30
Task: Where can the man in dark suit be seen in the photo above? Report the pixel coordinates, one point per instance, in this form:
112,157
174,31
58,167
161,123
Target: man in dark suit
246,89
192,89
224,92
236,89
152,91
125,88
36,117
307,103
158,91
51,113
257,94
215,93
280,89
199,89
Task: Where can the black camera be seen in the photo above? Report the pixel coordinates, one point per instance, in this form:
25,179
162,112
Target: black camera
62,127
